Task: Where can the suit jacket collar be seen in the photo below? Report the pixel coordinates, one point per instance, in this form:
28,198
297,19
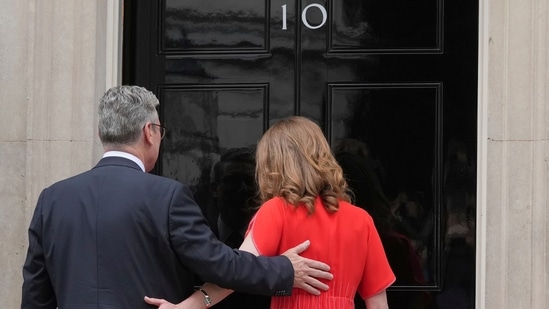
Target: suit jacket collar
118,161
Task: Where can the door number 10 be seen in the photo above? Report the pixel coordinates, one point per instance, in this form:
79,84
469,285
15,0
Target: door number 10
304,16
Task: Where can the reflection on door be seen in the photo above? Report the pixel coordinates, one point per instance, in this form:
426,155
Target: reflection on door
392,83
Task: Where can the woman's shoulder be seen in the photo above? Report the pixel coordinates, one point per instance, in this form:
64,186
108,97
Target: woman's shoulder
274,202
354,211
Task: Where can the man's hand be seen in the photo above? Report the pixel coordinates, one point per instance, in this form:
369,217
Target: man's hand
307,271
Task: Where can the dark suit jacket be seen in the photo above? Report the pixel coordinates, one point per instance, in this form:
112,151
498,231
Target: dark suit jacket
110,236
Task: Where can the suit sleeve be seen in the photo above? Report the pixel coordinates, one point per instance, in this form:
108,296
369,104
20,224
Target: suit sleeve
37,288
199,249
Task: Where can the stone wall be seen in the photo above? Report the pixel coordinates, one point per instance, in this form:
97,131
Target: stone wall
513,264
52,73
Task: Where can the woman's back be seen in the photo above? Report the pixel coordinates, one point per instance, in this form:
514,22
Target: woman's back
346,240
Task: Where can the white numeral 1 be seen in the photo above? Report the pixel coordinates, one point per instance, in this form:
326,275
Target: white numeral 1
284,17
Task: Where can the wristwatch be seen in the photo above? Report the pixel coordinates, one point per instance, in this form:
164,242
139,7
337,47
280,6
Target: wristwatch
207,299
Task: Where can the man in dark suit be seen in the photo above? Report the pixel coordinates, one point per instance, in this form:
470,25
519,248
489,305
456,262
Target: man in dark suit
111,235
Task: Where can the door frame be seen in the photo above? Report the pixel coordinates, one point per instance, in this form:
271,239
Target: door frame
113,44
482,152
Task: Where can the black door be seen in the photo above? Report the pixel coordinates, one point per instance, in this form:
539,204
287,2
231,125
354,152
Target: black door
393,83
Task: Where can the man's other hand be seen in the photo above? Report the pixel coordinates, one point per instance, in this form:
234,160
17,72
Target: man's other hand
307,271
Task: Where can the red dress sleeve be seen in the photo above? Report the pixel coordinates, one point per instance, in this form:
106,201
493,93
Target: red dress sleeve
377,275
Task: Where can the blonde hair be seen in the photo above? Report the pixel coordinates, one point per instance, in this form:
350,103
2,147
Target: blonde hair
294,161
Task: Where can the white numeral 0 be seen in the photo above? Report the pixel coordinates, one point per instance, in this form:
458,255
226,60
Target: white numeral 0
304,16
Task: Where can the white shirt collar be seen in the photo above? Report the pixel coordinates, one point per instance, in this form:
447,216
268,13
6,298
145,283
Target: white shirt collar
126,155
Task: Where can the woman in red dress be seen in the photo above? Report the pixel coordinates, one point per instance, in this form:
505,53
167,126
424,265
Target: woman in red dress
305,197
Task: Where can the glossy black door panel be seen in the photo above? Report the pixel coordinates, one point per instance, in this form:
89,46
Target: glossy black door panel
401,124
204,121
210,26
398,126
392,26
392,81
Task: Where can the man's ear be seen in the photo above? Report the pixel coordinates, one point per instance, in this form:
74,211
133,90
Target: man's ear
147,133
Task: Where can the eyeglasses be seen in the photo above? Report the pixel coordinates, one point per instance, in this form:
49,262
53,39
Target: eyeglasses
162,129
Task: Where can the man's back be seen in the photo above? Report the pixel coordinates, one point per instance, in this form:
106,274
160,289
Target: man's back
105,238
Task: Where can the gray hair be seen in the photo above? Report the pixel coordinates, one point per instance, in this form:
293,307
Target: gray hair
123,111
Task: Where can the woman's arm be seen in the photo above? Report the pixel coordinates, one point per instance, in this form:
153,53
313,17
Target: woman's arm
197,300
378,301
215,293
309,271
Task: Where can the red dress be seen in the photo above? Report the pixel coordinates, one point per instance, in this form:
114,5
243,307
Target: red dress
346,240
